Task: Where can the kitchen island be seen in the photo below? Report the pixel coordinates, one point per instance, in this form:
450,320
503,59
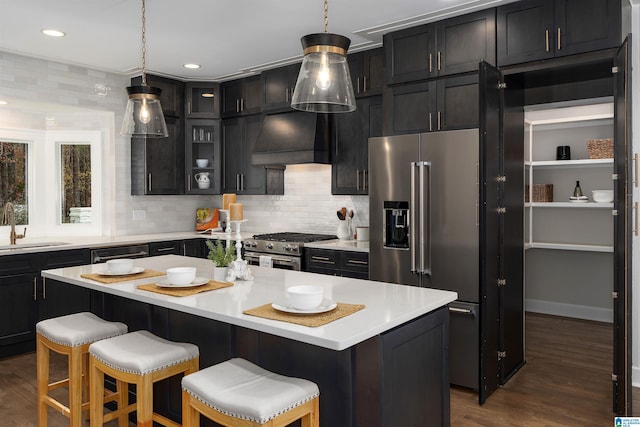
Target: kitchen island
385,365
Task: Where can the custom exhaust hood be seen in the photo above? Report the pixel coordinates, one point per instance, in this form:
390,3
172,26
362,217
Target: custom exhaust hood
292,138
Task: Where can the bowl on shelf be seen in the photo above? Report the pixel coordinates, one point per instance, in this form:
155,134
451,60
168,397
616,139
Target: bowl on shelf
304,297
181,276
202,163
120,266
602,196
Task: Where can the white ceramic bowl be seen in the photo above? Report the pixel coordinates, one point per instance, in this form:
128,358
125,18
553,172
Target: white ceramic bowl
181,276
305,297
602,196
202,163
120,266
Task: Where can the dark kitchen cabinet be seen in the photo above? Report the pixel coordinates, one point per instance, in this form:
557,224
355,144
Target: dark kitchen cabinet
157,164
367,72
203,143
241,97
435,105
349,167
278,85
447,47
337,263
57,298
541,29
190,247
202,100
172,95
240,176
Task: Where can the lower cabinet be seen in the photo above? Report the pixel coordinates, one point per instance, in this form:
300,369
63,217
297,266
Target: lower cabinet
337,263
191,247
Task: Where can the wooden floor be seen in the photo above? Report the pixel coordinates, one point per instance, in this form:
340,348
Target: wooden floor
566,382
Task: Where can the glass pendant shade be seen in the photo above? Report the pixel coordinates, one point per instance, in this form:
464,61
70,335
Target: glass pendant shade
324,83
143,116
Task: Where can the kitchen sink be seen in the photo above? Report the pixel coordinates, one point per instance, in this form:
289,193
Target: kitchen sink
32,245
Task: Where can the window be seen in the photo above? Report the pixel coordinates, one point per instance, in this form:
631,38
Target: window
53,178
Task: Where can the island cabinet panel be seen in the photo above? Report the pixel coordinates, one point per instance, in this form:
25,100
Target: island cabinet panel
435,105
58,298
541,29
447,47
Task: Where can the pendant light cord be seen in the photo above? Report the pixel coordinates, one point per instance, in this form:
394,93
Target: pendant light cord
144,47
326,16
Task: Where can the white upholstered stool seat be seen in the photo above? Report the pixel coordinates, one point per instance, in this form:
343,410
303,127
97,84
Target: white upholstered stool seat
139,358
69,335
238,393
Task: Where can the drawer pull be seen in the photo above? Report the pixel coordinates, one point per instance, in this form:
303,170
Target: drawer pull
357,261
322,259
465,311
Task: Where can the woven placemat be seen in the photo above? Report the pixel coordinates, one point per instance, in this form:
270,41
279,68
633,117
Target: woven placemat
115,279
211,285
312,320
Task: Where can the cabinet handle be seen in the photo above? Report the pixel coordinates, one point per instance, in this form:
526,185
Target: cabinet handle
44,288
184,249
635,168
286,94
237,182
430,62
365,179
364,84
322,259
35,289
439,60
188,182
430,127
188,107
241,104
559,44
635,221
358,84
237,105
165,249
439,121
357,261
357,179
546,40
149,182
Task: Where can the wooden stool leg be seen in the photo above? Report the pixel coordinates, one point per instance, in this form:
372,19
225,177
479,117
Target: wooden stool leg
96,395
85,383
144,406
75,386
190,417
42,357
122,388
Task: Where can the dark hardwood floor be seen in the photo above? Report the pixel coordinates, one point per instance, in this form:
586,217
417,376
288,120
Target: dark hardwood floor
566,382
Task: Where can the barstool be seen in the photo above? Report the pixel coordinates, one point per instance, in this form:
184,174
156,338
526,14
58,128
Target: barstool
237,393
70,336
139,358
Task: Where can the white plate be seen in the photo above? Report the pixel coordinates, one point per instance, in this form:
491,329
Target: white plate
198,281
579,200
322,308
134,270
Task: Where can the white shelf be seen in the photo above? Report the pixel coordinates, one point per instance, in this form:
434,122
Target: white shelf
588,205
570,163
569,247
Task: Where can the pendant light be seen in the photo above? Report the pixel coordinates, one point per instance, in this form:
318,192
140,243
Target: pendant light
143,117
324,83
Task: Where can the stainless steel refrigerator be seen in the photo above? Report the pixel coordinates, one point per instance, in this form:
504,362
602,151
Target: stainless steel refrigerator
424,227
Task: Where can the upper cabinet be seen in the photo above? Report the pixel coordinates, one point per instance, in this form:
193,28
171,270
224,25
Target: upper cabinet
171,97
541,29
278,85
202,100
442,48
241,97
367,72
203,152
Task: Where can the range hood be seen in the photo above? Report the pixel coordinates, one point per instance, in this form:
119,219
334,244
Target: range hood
292,138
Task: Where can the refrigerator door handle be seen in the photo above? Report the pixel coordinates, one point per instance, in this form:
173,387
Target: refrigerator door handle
425,218
412,218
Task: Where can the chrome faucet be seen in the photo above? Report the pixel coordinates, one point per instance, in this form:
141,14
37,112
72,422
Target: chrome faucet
9,218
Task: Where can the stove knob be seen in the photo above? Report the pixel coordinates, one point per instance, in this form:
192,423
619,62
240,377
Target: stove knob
269,246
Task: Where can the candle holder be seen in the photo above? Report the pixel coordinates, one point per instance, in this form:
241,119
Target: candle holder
238,269
226,221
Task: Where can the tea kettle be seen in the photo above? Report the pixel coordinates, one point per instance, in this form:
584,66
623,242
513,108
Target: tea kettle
203,180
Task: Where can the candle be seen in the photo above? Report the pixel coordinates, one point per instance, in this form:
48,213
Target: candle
235,211
228,199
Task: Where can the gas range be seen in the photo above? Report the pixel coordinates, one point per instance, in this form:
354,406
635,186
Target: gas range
283,249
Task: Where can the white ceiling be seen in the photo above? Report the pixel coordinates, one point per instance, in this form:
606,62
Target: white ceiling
228,38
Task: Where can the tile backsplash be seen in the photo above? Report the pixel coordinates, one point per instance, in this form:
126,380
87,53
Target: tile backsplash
78,98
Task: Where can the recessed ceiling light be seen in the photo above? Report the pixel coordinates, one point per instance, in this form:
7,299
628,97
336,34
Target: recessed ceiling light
207,95
53,33
192,66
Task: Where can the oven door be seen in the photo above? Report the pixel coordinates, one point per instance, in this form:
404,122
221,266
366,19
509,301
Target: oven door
278,261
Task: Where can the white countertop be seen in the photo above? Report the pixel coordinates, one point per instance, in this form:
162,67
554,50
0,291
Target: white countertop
387,305
341,245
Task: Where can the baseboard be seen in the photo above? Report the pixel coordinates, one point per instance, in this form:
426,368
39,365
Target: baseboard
570,310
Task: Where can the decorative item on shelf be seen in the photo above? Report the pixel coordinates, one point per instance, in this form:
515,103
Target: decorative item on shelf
207,220
600,148
344,224
221,255
563,152
203,180
540,193
577,191
324,82
228,198
143,117
235,212
602,196
238,269
202,163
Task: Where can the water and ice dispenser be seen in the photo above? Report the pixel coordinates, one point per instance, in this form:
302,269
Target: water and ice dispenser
396,224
